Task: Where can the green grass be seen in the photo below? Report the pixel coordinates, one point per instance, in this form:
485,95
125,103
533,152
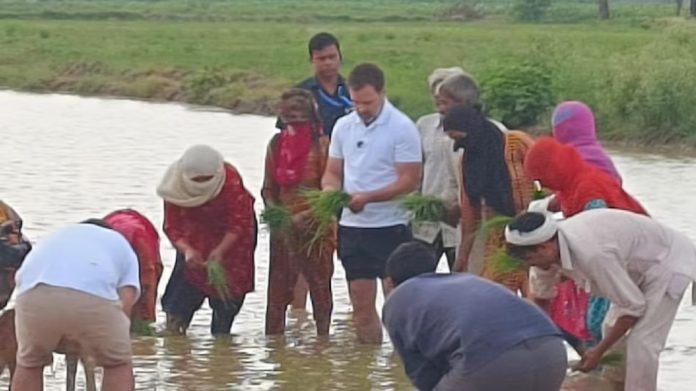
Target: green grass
241,54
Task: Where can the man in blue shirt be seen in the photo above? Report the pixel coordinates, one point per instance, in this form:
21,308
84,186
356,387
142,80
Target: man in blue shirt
327,85
460,332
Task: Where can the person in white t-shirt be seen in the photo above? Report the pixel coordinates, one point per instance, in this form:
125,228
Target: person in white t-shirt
375,156
78,284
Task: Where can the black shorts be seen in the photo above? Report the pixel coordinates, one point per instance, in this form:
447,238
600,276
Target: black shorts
364,251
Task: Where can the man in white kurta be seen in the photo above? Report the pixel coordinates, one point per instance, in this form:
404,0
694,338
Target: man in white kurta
441,176
640,265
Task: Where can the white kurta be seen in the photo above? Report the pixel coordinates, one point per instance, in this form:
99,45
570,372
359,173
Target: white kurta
440,178
641,266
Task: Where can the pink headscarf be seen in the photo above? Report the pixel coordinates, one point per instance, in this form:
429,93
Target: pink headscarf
574,124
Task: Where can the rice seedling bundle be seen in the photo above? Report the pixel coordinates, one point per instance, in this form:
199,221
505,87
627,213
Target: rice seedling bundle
323,208
142,328
276,218
217,278
495,223
503,263
612,358
424,208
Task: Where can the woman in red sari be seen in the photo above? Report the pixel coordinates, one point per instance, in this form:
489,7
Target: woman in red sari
295,161
209,216
578,185
143,237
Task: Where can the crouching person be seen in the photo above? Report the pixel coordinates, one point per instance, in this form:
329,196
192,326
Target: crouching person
461,332
640,265
78,284
14,247
144,239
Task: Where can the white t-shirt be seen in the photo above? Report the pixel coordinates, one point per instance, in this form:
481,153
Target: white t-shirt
84,257
369,155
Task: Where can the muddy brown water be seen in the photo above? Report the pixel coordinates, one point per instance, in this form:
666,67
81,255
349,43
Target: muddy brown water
66,158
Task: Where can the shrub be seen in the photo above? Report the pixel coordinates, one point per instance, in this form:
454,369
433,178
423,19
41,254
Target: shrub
518,94
651,93
531,10
462,10
199,84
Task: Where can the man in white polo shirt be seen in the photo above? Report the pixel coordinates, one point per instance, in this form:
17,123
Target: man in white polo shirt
376,157
78,284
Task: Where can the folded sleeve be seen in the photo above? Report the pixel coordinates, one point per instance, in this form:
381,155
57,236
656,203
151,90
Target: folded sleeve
336,145
408,146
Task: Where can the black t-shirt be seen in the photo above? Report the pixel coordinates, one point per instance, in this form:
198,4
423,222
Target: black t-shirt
331,106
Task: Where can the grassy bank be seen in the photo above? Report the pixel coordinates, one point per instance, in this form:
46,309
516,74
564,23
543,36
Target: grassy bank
639,74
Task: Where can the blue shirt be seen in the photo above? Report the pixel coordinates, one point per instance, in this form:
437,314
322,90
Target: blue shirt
442,321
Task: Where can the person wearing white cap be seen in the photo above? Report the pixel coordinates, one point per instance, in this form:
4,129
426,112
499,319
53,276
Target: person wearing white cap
640,265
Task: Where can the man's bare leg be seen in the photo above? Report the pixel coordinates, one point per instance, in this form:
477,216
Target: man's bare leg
119,378
362,297
27,379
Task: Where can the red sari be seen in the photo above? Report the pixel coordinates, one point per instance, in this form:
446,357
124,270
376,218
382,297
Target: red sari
143,237
203,227
576,183
290,168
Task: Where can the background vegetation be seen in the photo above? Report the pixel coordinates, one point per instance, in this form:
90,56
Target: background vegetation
637,70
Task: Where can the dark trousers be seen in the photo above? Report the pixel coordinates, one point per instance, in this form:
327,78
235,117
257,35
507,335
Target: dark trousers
181,300
439,248
537,364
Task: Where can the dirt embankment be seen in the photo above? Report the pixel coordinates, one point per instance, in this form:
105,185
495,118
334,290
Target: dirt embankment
241,92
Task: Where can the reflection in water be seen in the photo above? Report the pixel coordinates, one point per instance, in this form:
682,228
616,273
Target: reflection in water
66,158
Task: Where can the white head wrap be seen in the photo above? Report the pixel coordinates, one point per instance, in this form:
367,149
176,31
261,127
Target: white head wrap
545,232
178,186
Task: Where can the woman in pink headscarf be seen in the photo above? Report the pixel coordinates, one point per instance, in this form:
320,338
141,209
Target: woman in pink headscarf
574,123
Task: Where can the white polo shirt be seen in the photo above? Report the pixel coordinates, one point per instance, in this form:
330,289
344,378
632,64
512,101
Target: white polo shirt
84,257
369,155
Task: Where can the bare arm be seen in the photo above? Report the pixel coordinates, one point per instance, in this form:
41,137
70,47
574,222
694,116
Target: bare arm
593,356
333,175
621,327
128,295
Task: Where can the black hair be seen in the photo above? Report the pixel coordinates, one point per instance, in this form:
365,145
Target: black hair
366,74
322,41
525,223
97,222
410,260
